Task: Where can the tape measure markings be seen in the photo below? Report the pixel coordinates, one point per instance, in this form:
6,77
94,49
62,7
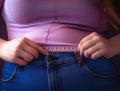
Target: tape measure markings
61,48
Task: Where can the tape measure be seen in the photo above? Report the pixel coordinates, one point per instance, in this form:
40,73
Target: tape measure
61,48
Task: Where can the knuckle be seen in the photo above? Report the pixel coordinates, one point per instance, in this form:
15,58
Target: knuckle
23,39
13,59
94,33
97,38
29,58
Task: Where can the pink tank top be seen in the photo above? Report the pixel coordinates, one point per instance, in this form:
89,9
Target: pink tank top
53,22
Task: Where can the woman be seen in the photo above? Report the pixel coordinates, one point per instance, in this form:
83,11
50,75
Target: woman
59,46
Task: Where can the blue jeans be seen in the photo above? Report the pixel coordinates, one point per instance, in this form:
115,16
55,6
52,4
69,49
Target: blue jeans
61,72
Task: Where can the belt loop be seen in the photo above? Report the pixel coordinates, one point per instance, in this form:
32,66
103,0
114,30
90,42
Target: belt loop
80,60
51,60
51,57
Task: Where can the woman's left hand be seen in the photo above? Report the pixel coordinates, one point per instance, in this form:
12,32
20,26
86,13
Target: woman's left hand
94,46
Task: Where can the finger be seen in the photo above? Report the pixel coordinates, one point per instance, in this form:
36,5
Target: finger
97,54
91,50
31,50
86,45
20,61
25,56
36,46
88,37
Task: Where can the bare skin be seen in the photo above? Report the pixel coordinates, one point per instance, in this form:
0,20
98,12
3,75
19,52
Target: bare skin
94,46
20,51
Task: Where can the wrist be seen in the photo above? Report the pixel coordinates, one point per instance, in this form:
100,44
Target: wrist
115,44
2,42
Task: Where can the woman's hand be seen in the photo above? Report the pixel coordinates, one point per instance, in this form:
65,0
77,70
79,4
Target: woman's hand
94,46
20,51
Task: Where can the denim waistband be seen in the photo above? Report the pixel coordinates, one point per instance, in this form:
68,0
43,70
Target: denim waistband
100,67
97,67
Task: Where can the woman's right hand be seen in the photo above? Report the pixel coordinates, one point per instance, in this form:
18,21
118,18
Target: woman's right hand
20,51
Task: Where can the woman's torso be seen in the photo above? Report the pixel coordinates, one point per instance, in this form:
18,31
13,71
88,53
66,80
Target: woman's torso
55,22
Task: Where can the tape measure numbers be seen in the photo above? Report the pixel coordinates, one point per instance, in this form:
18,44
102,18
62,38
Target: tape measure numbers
60,48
